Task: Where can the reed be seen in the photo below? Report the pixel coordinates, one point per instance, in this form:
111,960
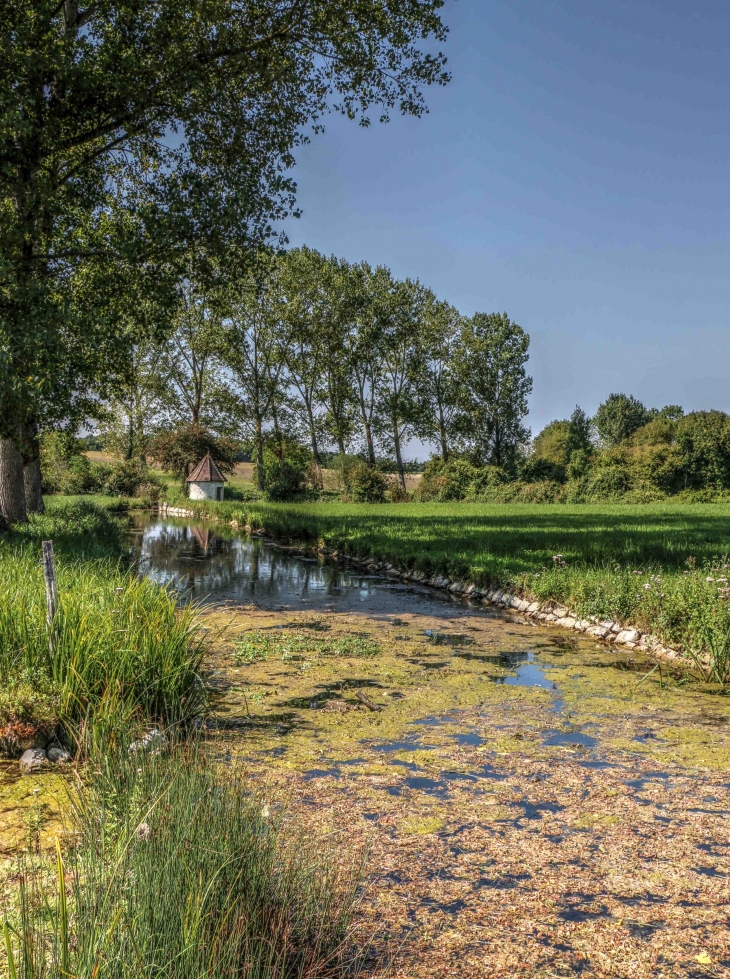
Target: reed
119,653
178,872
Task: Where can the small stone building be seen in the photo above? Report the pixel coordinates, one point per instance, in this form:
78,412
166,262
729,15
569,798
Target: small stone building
206,481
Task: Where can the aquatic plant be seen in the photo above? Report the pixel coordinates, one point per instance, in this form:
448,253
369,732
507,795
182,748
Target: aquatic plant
180,872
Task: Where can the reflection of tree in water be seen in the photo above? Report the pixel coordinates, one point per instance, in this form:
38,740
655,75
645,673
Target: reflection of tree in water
197,558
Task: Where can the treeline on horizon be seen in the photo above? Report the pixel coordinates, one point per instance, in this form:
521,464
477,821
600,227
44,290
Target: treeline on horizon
309,361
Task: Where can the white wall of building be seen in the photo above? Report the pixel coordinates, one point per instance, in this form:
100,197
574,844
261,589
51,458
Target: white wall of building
205,491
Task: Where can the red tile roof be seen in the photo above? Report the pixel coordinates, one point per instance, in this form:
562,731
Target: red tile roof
206,471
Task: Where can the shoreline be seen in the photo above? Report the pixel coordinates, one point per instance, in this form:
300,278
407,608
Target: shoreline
611,632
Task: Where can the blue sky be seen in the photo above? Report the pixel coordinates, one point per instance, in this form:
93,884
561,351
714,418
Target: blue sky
575,175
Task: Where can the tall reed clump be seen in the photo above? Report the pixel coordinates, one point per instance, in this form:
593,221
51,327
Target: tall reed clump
119,650
179,872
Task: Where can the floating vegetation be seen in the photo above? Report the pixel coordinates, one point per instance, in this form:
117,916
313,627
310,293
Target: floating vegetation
259,646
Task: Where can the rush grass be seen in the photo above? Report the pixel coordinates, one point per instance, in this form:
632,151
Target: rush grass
178,871
119,654
663,568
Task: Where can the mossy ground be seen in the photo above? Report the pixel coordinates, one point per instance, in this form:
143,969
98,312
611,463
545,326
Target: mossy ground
578,827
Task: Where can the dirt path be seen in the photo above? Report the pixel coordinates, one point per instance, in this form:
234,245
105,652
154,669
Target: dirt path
530,807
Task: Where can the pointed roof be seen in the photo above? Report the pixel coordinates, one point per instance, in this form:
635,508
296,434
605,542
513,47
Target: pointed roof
206,471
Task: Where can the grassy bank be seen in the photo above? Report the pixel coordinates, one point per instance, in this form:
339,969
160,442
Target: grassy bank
662,568
119,654
179,871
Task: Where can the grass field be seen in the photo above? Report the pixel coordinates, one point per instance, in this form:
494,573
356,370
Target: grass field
663,568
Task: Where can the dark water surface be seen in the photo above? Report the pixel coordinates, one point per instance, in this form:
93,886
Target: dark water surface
211,563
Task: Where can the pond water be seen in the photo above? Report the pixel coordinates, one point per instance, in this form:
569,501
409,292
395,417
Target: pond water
211,564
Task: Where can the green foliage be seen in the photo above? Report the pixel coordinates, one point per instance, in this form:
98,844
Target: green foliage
100,211
458,479
286,478
703,438
618,417
178,451
254,647
536,469
178,871
552,443
66,471
494,386
368,484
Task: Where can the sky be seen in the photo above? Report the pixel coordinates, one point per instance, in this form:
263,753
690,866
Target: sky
573,174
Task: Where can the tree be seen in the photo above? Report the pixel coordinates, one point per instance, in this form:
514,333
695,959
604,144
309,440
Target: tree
490,366
343,302
580,432
618,417
403,359
370,314
253,346
439,385
305,311
704,440
178,450
136,402
190,361
552,442
135,133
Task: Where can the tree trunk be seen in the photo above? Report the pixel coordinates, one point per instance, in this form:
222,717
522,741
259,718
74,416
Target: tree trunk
366,426
32,480
278,440
259,439
341,445
313,435
12,485
398,458
130,438
32,470
442,435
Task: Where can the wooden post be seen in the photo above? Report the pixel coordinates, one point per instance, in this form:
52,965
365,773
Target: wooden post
49,573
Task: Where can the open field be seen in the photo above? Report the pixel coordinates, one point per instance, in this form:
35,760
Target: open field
662,568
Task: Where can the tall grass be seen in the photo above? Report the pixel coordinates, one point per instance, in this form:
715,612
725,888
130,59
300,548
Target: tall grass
119,651
179,873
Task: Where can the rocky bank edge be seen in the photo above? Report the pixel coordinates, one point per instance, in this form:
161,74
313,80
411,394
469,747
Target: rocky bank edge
616,633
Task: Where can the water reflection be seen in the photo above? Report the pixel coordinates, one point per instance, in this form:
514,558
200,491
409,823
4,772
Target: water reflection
211,563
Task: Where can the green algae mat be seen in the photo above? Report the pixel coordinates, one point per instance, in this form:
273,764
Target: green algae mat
531,803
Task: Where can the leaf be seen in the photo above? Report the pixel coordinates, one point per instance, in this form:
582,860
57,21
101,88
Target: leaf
704,959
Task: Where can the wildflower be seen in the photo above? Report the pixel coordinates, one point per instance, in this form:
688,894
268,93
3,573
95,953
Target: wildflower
708,578
647,585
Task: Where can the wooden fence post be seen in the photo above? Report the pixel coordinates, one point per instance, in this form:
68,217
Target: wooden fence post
49,573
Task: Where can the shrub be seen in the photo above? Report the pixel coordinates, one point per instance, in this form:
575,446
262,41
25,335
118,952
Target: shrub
285,479
368,484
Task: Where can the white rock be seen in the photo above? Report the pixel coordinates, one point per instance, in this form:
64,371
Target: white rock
565,621
33,760
534,607
599,630
628,635
154,739
581,625
59,755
